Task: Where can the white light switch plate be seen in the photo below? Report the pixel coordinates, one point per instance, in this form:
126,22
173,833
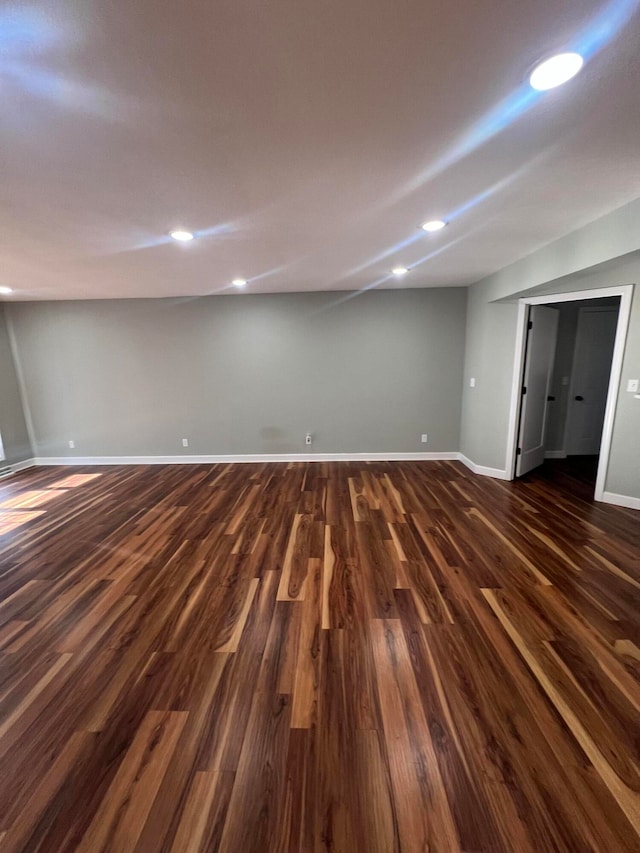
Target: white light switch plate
632,386
472,383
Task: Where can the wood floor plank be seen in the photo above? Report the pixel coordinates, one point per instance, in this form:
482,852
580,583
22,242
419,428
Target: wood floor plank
256,817
334,809
414,770
50,797
307,667
29,703
357,656
202,819
124,811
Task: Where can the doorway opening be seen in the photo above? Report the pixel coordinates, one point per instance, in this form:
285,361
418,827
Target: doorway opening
566,384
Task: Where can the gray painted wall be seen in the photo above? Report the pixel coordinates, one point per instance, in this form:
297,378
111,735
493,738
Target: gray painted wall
490,347
245,374
491,334
608,239
13,429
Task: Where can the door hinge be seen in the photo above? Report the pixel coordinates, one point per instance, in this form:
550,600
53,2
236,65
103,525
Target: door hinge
530,324
524,389
519,452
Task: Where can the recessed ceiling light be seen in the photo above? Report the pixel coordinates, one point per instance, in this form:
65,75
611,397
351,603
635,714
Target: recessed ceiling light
182,236
5,290
398,271
555,71
434,225
239,282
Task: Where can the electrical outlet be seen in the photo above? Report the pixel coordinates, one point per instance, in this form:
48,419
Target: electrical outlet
185,442
565,380
307,439
424,438
472,382
72,445
632,386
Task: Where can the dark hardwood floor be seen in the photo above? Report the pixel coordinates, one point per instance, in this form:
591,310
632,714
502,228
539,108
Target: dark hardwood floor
576,473
307,657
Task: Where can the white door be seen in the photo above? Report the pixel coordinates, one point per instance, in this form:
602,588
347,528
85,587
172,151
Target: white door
592,357
538,365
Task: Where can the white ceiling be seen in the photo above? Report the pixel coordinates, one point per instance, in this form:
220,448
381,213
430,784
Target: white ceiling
304,139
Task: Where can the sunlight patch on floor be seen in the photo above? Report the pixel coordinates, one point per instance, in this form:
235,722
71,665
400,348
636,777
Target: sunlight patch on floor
74,480
35,498
10,520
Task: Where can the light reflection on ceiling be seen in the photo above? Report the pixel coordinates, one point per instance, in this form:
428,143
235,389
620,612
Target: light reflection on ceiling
121,124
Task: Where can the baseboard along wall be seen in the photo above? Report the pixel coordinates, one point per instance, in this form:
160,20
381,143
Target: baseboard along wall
484,471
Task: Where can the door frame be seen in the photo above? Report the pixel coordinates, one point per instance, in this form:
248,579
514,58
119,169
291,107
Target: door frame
625,292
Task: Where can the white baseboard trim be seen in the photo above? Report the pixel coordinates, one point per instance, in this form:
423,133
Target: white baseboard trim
21,466
621,500
496,473
555,454
271,457
14,467
252,457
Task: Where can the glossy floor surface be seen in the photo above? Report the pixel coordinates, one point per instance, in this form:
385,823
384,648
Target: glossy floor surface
310,657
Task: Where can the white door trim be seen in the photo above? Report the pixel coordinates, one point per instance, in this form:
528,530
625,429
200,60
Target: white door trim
625,292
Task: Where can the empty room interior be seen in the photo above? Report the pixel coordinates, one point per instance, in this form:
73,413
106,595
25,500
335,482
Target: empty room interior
320,426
